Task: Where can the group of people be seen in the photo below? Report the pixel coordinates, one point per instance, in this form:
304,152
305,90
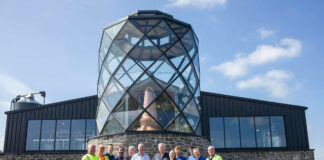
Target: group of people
174,154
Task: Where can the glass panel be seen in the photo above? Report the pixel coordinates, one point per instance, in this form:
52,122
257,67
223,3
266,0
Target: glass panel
145,123
198,130
190,77
179,125
176,54
278,131
105,44
115,56
189,43
247,132
197,96
128,72
127,110
163,72
128,37
91,130
104,78
48,135
192,114
113,30
113,94
179,93
216,132
179,29
33,135
145,25
77,135
162,36
102,115
262,130
196,64
184,63
145,90
62,141
112,126
232,137
163,110
145,53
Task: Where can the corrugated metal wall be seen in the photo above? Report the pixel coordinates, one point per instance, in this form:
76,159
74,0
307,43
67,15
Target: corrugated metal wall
15,140
217,105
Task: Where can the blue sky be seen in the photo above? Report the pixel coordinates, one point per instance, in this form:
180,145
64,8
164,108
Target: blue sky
269,50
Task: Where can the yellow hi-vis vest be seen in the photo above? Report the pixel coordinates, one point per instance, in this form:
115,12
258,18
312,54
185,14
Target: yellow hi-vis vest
90,157
215,157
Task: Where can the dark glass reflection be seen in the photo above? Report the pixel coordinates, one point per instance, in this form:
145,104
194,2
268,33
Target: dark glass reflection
262,130
216,132
78,135
247,132
277,131
33,135
232,137
91,130
62,141
48,135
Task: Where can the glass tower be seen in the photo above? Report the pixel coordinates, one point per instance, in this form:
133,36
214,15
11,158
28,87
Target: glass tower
148,76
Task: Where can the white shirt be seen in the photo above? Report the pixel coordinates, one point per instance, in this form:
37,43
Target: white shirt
137,156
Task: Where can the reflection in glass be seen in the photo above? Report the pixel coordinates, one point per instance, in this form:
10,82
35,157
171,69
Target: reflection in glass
112,126
262,130
179,29
179,125
77,135
247,132
113,30
192,114
162,36
232,136
48,135
179,93
277,131
62,141
189,44
115,56
145,123
217,132
128,37
113,94
33,135
105,44
91,130
102,115
104,78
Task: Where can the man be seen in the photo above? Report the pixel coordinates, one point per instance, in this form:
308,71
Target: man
131,152
191,156
178,152
100,155
212,154
196,153
121,151
162,155
110,154
141,155
91,153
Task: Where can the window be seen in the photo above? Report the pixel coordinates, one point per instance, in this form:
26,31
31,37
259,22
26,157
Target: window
62,135
217,132
247,132
91,130
77,135
33,135
47,135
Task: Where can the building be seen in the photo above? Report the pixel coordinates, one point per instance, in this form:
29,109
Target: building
149,91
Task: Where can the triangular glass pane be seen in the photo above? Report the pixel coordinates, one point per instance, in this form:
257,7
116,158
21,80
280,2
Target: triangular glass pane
179,29
105,44
112,126
102,115
196,64
103,80
190,77
196,39
128,72
197,95
145,90
180,125
179,92
145,123
112,94
163,110
176,54
198,130
189,43
163,71
162,36
115,56
128,37
184,63
145,53
127,110
145,25
192,114
113,30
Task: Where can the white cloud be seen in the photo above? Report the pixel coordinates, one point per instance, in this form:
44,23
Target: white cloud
265,33
263,54
273,82
196,3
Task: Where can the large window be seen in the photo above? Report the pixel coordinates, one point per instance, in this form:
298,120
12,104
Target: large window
247,132
49,135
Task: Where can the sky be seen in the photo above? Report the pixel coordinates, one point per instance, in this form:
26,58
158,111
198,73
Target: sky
268,50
